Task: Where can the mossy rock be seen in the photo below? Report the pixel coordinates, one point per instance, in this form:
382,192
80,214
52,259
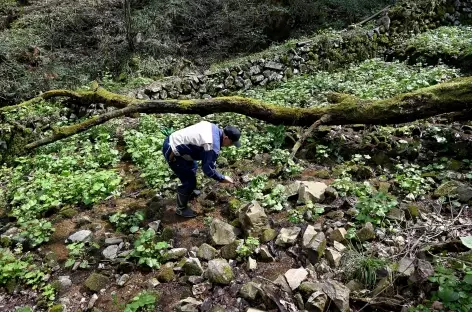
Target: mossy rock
57,308
68,212
322,174
165,274
268,235
95,282
455,165
230,251
384,187
166,234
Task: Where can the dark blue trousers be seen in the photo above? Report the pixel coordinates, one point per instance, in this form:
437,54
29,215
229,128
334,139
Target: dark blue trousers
185,170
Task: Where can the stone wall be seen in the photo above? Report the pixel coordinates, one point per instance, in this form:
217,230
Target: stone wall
326,51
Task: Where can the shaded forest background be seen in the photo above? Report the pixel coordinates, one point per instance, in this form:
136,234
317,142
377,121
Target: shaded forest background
65,44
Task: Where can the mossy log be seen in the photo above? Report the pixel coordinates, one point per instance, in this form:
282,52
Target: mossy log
452,96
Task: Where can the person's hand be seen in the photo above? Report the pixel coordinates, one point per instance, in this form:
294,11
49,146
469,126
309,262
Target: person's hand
228,180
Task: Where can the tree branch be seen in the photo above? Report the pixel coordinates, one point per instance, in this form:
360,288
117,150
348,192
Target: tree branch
452,96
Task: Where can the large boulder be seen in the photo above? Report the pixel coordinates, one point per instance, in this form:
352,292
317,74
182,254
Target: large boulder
219,271
253,219
311,191
222,233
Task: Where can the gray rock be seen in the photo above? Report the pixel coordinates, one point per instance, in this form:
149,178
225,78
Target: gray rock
154,225
95,282
316,302
64,282
292,189
354,285
192,266
113,241
295,277
339,247
251,264
250,290
219,271
188,304
92,301
273,65
462,191
123,279
338,293
318,244
333,256
396,214
195,279
265,254
338,235
253,219
288,236
254,70
199,290
311,191
423,271
176,253
110,252
80,236
406,266
206,252
282,282
222,233
308,235
230,251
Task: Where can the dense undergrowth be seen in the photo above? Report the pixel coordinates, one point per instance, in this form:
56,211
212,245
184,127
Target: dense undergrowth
79,172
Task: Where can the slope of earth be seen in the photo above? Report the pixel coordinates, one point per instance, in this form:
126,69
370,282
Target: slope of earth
365,218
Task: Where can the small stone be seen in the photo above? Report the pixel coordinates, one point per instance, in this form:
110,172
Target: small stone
230,251
200,289
195,279
366,233
154,225
317,301
265,254
339,247
80,236
192,266
338,293
250,290
188,304
219,271
406,266
176,253
282,282
308,235
122,280
318,244
396,214
253,219
251,264
333,257
206,252
110,252
338,235
335,215
399,241
92,301
295,277
113,241
64,282
288,236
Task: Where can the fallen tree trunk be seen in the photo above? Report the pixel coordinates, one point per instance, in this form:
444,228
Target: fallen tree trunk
452,96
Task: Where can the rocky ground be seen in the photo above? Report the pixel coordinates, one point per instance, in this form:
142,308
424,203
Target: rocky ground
317,260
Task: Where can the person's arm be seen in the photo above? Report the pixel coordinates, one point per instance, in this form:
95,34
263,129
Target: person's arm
208,166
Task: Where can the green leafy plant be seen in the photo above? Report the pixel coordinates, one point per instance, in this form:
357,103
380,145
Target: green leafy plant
346,187
298,215
282,158
275,199
247,247
78,253
147,250
410,180
366,270
127,222
143,302
35,232
374,208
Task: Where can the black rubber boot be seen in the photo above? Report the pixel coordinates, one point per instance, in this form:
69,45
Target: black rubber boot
182,206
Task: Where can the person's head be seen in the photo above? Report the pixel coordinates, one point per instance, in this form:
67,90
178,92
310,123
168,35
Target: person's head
231,136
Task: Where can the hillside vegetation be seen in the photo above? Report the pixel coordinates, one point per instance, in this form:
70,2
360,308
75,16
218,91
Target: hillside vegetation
363,218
